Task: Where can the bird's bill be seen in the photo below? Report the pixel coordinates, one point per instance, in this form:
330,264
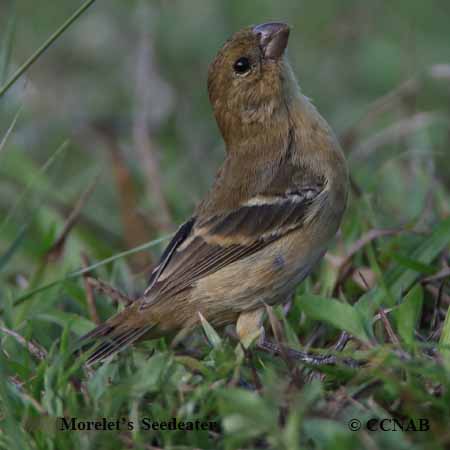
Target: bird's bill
273,38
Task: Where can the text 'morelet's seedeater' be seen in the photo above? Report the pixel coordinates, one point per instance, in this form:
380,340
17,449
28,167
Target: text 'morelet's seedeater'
276,203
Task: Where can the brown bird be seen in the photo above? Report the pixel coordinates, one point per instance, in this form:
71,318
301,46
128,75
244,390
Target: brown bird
276,203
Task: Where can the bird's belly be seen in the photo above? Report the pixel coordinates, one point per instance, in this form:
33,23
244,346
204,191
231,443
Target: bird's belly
268,276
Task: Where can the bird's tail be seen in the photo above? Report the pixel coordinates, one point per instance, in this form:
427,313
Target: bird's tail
114,335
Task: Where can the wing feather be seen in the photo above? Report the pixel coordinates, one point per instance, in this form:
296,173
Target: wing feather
204,246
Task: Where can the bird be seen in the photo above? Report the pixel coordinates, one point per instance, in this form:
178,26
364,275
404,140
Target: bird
274,207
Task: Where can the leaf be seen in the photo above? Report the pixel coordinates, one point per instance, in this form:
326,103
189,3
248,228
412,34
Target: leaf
413,264
408,313
79,325
398,279
326,432
211,334
341,315
289,332
151,376
444,342
310,395
246,413
99,383
192,364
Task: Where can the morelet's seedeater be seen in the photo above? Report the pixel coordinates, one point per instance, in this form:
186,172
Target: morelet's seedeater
276,203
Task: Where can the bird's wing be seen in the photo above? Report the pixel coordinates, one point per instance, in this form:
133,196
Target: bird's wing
206,244
181,234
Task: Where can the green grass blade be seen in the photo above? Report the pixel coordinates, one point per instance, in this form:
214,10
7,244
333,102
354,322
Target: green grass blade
78,273
35,56
30,185
4,259
7,45
9,130
10,428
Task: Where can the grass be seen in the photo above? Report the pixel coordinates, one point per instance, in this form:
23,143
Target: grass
45,46
407,378
386,288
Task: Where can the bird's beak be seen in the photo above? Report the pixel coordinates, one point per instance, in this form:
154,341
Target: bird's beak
273,38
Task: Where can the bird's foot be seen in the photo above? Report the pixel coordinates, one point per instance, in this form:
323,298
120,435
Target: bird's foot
310,358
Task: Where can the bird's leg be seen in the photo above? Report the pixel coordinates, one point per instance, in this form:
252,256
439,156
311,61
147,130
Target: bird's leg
308,358
248,328
304,357
249,358
288,353
342,341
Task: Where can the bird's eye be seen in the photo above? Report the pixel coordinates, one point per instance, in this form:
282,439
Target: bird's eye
242,65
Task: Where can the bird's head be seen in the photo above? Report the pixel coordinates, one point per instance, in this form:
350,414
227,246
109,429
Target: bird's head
249,79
